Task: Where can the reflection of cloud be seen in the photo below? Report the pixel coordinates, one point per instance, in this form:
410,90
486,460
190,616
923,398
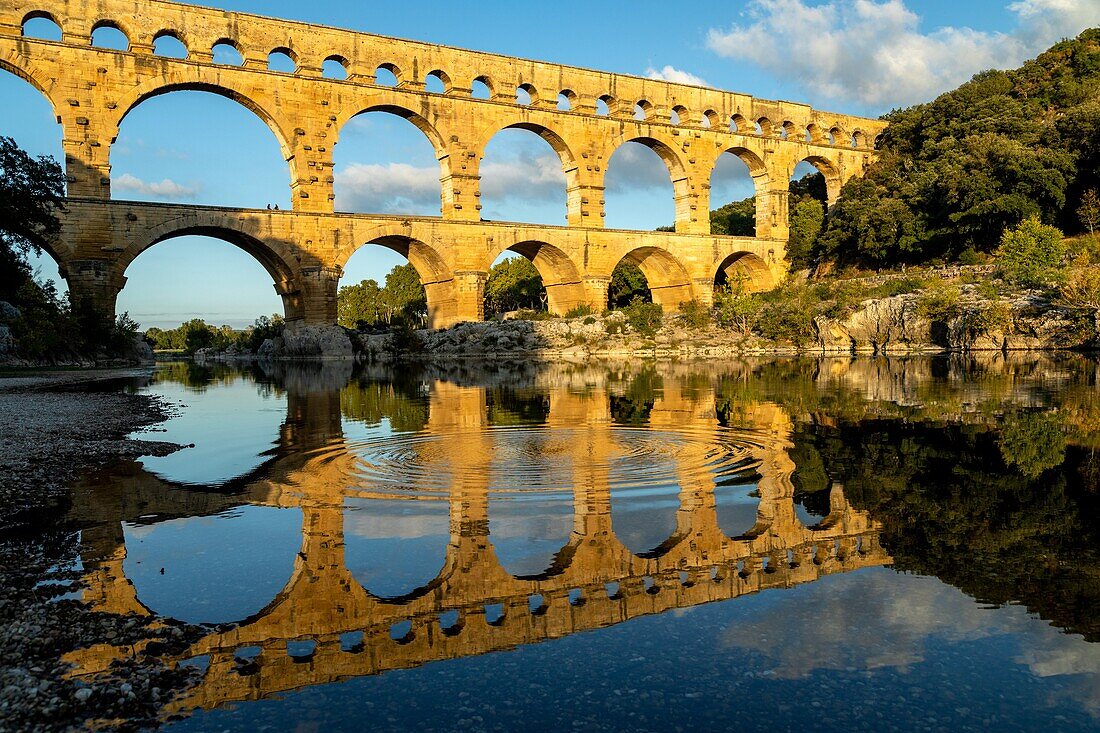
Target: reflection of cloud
873,50
877,619
677,76
365,521
159,189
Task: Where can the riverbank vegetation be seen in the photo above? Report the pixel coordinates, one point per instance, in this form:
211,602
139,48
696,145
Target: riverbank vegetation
37,324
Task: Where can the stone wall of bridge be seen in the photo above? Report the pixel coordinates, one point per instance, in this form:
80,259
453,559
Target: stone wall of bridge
92,90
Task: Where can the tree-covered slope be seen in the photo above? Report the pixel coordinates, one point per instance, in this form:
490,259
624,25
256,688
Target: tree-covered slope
954,173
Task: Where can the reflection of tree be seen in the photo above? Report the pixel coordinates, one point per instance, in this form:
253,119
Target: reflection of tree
508,406
634,405
951,507
370,402
1033,442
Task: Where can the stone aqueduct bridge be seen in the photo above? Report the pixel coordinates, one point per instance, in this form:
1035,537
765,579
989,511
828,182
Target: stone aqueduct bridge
474,605
93,89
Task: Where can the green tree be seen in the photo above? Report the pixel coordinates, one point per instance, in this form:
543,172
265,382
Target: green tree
1033,442
807,220
627,284
405,296
31,192
735,219
1089,211
1032,254
514,284
362,305
954,173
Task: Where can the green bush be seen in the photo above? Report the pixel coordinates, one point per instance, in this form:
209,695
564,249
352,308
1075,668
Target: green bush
589,320
1033,254
737,310
788,314
695,314
643,317
939,301
581,310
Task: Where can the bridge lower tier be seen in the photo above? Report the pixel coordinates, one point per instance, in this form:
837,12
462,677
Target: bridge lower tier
305,255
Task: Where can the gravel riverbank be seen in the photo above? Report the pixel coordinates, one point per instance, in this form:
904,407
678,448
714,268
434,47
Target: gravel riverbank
54,426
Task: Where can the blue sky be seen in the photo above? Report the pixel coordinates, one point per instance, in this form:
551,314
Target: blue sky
859,56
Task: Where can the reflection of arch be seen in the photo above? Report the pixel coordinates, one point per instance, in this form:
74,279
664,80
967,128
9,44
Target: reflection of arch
668,280
560,276
747,268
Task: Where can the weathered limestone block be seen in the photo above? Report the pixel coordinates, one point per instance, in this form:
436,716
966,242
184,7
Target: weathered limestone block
311,340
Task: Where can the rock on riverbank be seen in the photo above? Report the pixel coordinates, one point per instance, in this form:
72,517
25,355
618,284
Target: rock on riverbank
902,324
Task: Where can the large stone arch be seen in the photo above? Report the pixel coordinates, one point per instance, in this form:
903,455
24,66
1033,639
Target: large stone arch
560,274
212,82
677,170
14,63
563,149
748,269
277,258
758,170
669,281
828,168
436,275
430,131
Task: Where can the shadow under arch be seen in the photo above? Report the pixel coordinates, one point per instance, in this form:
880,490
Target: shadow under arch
746,270
436,275
668,280
560,275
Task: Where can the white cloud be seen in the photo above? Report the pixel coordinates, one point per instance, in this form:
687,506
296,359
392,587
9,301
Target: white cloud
157,189
873,51
391,188
399,188
676,76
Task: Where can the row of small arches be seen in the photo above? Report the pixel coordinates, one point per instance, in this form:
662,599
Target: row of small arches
171,44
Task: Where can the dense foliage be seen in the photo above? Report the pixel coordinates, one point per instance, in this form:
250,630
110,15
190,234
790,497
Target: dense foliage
955,173
514,284
402,301
48,326
198,334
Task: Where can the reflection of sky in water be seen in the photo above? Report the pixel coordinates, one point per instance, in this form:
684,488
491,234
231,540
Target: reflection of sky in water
644,518
392,547
735,508
871,650
216,569
527,531
231,425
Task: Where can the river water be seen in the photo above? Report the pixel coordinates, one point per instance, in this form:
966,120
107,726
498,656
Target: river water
907,544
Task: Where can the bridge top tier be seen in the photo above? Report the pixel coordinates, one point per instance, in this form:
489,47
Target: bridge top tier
362,54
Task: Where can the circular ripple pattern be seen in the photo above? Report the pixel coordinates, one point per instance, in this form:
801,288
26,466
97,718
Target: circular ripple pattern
548,459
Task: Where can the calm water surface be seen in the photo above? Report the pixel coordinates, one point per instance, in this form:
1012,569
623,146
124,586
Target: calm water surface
790,545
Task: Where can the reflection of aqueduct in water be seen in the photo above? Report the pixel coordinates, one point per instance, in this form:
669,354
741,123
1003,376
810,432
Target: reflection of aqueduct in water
474,605
93,89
